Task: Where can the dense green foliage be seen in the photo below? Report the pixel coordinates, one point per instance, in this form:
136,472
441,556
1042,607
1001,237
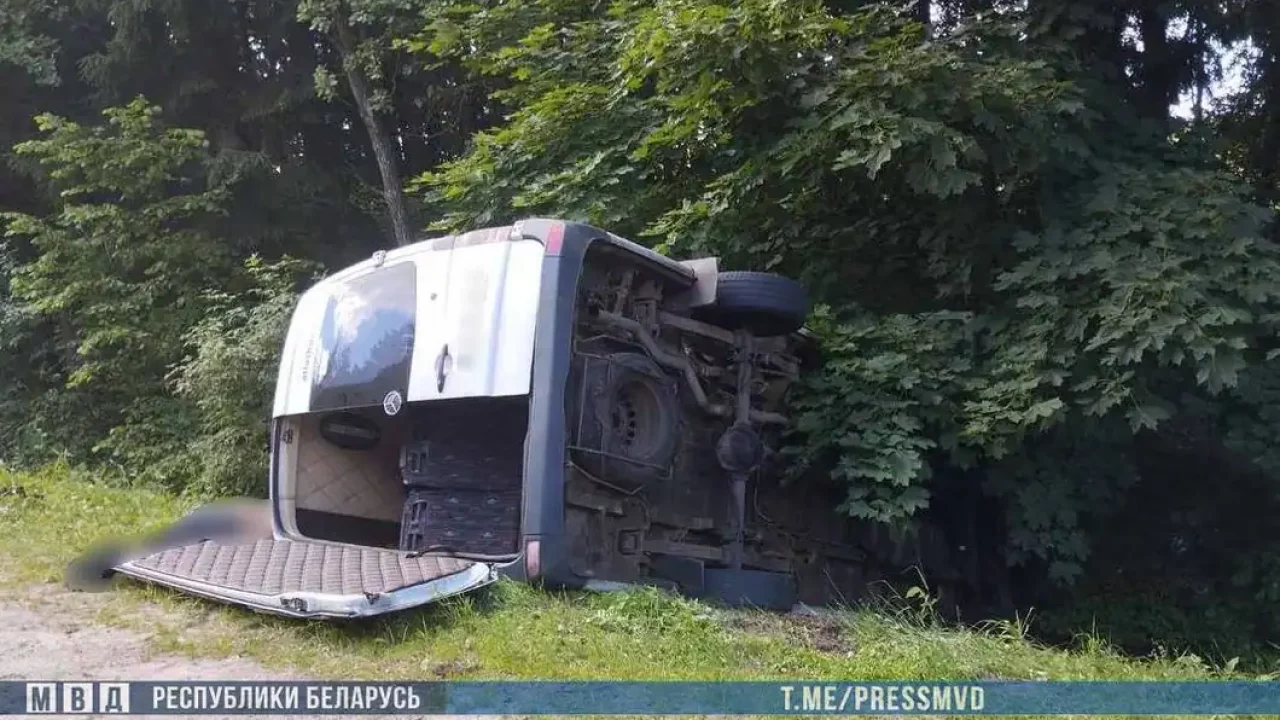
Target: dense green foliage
1039,284
119,267
228,375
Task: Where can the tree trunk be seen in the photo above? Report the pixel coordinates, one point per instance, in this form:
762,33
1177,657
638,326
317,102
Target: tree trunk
1266,147
925,15
1201,57
1158,74
388,168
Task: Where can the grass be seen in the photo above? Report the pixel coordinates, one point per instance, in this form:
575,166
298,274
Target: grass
516,631
47,517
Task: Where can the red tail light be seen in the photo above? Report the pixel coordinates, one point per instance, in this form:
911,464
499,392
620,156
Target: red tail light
532,558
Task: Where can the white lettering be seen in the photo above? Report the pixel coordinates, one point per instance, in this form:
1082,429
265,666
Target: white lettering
275,697
891,698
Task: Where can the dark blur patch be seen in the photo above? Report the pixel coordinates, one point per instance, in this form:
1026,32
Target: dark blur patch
20,493
230,522
350,431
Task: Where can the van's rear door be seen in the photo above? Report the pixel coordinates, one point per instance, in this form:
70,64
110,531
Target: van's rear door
304,578
446,319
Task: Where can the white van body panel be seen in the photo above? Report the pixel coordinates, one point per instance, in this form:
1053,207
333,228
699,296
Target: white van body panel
483,309
476,306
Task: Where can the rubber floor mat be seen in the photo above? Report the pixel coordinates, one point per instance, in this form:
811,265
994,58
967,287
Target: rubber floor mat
310,578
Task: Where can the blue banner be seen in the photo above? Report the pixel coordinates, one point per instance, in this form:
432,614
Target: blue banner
641,698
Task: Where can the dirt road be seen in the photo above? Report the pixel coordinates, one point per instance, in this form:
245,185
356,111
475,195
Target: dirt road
48,633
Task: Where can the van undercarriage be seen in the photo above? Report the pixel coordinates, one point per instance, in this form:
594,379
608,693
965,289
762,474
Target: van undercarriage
665,403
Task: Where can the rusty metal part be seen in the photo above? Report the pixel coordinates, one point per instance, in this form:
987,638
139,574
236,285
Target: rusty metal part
716,555
624,290
688,324
682,363
788,366
743,342
738,480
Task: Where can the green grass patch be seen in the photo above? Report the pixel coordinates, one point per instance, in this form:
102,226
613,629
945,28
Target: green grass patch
47,517
516,631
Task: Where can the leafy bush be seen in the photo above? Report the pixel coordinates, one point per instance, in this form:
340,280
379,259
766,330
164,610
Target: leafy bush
108,282
153,350
880,406
229,375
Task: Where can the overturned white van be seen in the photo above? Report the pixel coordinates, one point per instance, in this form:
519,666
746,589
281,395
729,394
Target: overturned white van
545,401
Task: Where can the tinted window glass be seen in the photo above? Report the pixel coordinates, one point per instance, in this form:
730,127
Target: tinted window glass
366,340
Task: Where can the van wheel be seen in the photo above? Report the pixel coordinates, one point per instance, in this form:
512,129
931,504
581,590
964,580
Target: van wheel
630,430
762,303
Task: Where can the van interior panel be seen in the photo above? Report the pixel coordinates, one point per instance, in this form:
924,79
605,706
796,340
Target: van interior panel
358,483
443,476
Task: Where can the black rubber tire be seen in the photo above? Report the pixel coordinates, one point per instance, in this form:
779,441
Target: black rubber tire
761,303
632,414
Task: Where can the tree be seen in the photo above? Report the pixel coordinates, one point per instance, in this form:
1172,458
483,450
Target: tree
121,265
296,168
358,33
